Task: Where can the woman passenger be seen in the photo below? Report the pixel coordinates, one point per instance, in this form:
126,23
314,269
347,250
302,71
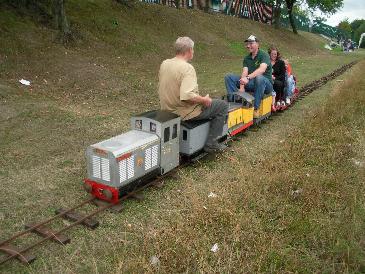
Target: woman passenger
278,76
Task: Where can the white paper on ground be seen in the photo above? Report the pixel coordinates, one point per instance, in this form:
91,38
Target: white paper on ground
25,82
214,248
154,260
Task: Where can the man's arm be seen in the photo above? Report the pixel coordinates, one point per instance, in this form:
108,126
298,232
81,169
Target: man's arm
205,101
243,76
259,71
244,72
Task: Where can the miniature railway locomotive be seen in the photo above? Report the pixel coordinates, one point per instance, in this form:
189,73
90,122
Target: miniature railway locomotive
154,145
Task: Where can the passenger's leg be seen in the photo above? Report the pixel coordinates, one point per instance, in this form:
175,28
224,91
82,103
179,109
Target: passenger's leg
259,89
232,84
279,89
273,108
291,85
268,86
217,112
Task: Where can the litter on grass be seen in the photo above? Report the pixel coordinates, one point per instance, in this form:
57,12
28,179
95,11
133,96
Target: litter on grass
296,192
25,82
155,260
214,248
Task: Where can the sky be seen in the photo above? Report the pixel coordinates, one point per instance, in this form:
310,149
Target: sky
352,9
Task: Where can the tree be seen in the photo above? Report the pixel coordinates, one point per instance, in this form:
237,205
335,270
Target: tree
356,24
290,6
60,21
277,13
327,7
360,30
345,28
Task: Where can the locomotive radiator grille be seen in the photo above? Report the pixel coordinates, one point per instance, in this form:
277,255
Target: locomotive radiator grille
105,169
123,170
154,155
100,168
151,157
96,166
126,169
147,160
130,162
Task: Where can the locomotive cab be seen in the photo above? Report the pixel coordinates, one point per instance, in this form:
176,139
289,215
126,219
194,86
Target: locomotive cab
166,126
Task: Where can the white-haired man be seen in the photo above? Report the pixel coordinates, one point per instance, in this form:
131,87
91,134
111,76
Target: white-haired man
178,93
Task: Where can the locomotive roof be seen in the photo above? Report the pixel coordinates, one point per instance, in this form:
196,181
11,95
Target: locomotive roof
126,142
161,116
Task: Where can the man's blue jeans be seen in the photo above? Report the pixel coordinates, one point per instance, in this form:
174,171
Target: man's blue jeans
260,85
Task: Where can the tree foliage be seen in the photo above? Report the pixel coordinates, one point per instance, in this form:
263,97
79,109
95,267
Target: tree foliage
357,34
345,27
356,24
327,7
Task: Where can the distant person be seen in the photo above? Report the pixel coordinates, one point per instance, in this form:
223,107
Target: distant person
178,93
348,45
345,48
351,46
278,75
256,74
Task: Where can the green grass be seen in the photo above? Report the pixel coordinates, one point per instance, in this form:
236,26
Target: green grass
86,93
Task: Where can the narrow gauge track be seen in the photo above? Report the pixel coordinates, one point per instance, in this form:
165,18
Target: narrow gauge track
87,219
75,218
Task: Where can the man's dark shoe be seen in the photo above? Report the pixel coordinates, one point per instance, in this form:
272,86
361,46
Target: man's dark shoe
214,148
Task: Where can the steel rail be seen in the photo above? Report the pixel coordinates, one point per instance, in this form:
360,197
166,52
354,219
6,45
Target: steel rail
46,221
100,209
20,253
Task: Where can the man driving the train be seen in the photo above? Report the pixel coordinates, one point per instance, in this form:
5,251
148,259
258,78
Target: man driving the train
178,93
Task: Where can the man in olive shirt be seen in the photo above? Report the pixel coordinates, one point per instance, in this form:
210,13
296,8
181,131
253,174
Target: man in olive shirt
178,93
256,74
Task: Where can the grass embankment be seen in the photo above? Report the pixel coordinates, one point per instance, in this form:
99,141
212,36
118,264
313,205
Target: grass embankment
86,93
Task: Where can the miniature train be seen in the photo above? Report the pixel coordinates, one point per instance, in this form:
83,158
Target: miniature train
155,144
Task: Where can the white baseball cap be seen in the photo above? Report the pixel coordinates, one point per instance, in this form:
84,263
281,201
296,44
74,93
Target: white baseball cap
252,38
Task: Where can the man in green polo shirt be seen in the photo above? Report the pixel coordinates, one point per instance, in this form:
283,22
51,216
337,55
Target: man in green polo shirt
256,74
